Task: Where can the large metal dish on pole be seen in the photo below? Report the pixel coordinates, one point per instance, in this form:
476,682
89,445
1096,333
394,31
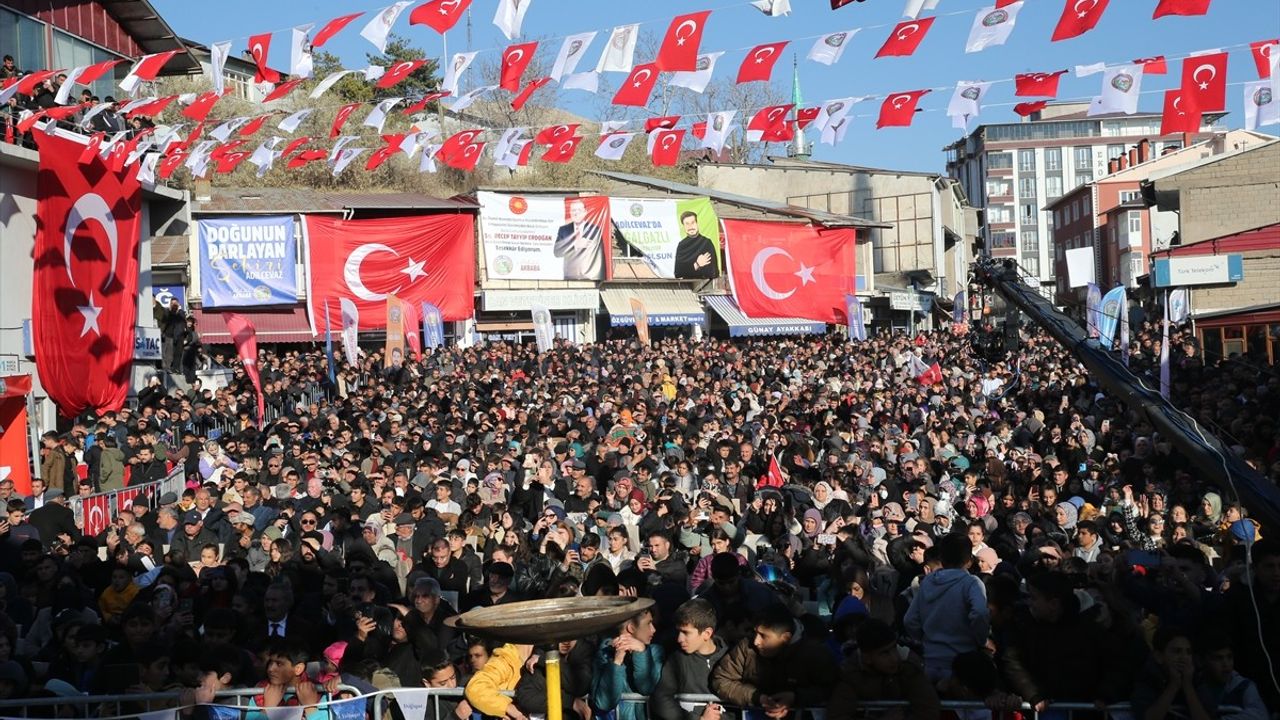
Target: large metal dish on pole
542,622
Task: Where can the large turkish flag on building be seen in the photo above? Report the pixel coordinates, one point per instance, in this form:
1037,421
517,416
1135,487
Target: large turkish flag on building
15,463
85,285
430,258
790,270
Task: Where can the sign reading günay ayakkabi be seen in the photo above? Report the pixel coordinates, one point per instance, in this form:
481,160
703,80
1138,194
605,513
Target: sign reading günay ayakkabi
247,261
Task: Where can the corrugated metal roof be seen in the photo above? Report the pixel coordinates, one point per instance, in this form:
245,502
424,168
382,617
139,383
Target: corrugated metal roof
151,32
742,326
169,250
252,201
280,325
769,206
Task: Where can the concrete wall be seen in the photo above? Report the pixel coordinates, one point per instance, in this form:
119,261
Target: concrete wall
1232,195
1261,280
17,245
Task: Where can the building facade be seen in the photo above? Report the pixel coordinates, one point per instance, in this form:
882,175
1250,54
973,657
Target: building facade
1013,171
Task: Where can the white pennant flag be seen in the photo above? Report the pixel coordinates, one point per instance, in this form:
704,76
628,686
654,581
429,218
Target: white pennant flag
265,156
291,123
914,7
300,64
412,701
773,8
833,119
1091,69
589,81
350,329
453,74
64,90
991,27
345,158
379,27
339,144
198,156
328,82
374,72
412,141
510,16
1260,107
378,116
608,127
613,146
126,108
223,131
428,162
571,53
503,146
510,157
719,125
966,102
464,101
828,48
166,134
218,53
697,80
139,151
619,53
147,169
1121,86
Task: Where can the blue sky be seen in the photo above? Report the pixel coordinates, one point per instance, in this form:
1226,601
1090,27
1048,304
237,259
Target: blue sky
1125,32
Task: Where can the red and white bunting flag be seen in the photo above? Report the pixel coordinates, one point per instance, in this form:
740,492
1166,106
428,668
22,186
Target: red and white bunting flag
1155,65
1262,52
146,69
514,60
697,80
1180,113
1261,106
613,146
699,130
172,162
1121,88
719,126
301,64
259,47
679,51
661,123
759,62
333,27
555,133
1078,18
294,145
905,38
86,75
563,151
806,116
828,48
1204,78
422,104
1037,84
228,162
619,52
899,109
666,147
380,156
283,89
91,150
378,29
254,125
340,118
992,27
1181,7
466,158
455,143
439,15
147,109
572,50
307,156
527,92
636,88
510,16
398,73
378,115
291,123
770,124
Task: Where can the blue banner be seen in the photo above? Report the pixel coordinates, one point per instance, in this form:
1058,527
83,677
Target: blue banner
164,293
1093,306
958,308
432,326
857,321
1113,309
248,261
328,347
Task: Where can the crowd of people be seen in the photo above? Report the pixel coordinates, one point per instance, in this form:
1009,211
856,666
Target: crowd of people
91,113
816,528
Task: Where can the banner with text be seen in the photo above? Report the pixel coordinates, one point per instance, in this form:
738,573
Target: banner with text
247,261
679,238
545,237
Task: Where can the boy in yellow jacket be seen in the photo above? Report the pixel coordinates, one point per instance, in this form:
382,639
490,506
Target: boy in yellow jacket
500,674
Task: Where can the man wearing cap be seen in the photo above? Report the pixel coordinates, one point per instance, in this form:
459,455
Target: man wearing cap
54,520
496,590
192,537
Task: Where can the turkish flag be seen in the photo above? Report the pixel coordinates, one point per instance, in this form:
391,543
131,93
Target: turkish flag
283,89
639,84
410,317
440,15
245,337
340,118
514,60
172,162
759,62
126,496
1078,18
773,478
85,279
259,46
333,27
97,514
232,160
1037,84
679,51
1261,52
547,136
91,150
562,151
254,125
1153,65
899,109
804,116
1181,7
466,158
666,147
307,156
661,123
380,156
771,125
294,145
398,73
932,375
456,142
226,148
14,454
1027,108
699,129
429,97
203,104
91,74
1204,79
905,38
426,258
1180,113
147,109
786,269
527,92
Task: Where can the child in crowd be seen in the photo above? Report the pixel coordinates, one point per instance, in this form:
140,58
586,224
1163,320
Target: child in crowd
688,672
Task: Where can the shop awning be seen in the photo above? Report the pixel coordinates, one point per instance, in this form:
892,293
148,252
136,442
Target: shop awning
664,305
552,298
278,325
742,326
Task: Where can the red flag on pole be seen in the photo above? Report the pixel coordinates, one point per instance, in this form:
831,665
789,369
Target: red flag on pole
245,336
14,448
774,477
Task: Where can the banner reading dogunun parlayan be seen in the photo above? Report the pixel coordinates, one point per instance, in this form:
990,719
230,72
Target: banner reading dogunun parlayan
248,261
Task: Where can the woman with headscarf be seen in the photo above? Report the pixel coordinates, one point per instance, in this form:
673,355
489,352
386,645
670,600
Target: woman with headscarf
214,462
1210,520
1066,515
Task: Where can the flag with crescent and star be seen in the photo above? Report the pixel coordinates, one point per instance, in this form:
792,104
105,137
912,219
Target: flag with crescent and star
14,456
85,282
417,259
791,270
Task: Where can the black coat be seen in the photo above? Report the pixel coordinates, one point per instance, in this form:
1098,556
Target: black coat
53,519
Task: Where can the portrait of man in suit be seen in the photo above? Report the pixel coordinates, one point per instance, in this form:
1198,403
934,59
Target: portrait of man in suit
580,242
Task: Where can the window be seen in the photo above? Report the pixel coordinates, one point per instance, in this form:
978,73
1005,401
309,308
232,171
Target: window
1135,224
1075,210
999,214
1042,130
1083,178
70,51
1032,266
1027,161
1027,188
1129,196
23,38
1114,151
1003,240
1084,159
1053,159
1030,242
1053,186
999,160
998,188
1028,214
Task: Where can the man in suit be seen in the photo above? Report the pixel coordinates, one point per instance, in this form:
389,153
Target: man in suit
54,520
696,254
581,244
37,497
280,621
108,121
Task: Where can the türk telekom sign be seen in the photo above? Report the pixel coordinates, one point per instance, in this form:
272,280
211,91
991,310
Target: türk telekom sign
1198,270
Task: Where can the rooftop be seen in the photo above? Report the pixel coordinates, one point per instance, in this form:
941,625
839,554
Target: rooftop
151,32
250,201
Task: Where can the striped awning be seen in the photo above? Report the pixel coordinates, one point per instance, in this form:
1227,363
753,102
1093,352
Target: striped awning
278,325
664,305
742,326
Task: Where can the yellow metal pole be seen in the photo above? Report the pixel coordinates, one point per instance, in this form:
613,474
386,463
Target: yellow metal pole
554,711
